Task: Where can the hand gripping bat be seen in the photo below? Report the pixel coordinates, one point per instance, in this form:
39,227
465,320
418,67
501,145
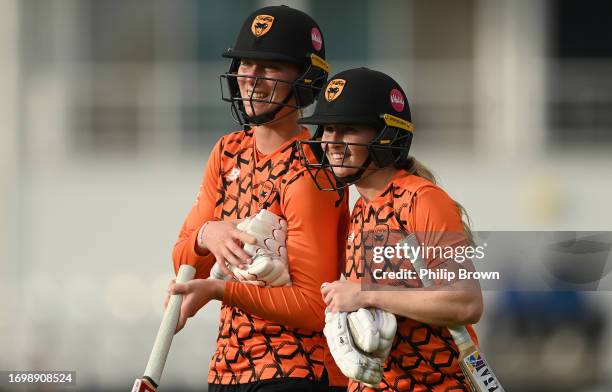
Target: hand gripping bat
163,340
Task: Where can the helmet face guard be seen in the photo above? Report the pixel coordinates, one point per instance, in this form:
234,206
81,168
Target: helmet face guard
230,92
276,33
304,89
389,146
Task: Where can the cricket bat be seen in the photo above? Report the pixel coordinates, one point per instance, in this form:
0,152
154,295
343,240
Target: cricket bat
163,340
474,366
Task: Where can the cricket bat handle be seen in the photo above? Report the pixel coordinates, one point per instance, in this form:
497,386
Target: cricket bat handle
474,366
161,347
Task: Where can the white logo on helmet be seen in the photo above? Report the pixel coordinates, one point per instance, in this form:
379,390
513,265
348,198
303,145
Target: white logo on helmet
316,38
397,100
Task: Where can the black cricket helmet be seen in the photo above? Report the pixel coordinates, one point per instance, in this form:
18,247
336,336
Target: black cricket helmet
277,33
359,96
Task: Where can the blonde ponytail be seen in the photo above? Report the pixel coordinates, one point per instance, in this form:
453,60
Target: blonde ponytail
415,167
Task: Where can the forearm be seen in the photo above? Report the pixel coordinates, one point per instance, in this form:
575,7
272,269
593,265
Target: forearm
186,249
436,307
184,252
218,288
291,306
313,255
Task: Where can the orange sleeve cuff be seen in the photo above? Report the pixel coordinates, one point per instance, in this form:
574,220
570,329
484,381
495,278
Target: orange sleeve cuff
202,263
283,305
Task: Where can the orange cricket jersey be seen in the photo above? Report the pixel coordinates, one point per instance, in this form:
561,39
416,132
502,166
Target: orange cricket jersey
267,333
423,357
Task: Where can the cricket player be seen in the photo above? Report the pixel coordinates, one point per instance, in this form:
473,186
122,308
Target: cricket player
364,135
270,338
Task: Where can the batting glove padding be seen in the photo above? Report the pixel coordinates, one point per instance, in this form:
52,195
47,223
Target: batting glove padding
352,362
373,331
269,267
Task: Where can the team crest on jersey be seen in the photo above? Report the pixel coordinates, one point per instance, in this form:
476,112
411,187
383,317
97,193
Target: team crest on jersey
262,24
266,195
380,234
334,89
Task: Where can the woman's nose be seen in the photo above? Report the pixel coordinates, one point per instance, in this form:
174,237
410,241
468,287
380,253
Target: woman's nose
333,136
253,70
252,76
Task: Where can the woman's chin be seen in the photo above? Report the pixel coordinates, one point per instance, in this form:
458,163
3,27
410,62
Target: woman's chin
259,110
342,172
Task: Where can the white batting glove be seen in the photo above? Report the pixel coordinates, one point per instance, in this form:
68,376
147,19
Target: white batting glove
266,270
216,272
269,267
373,330
353,363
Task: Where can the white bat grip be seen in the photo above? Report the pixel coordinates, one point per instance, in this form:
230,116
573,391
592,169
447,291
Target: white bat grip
161,347
460,335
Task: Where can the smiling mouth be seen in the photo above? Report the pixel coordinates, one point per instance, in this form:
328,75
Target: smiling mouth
257,94
337,157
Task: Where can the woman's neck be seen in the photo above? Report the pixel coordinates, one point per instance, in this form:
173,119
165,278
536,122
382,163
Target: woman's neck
269,137
372,185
